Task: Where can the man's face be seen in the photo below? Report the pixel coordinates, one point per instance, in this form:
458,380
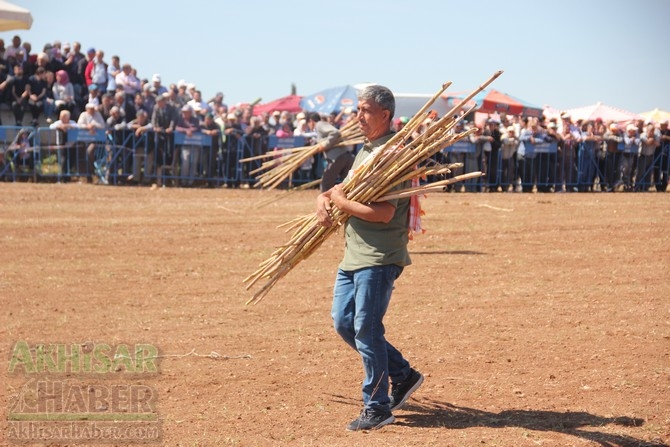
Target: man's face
374,120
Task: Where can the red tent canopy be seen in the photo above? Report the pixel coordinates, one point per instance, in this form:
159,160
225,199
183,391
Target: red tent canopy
290,103
491,101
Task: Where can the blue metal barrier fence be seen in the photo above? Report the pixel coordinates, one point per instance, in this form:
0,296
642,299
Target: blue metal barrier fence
175,159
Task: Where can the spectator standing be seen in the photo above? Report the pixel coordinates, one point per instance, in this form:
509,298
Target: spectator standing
528,164
72,63
92,121
53,60
49,102
65,51
650,140
157,88
626,164
599,129
182,96
271,122
256,143
15,48
217,101
233,133
29,59
588,163
509,144
127,108
106,104
163,122
492,157
208,159
128,82
199,107
474,161
113,69
67,157
144,101
139,127
662,159
612,175
96,72
189,154
567,153
308,168
116,127
547,161
82,67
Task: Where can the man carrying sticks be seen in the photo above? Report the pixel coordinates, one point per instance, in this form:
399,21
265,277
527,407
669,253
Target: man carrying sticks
338,158
375,254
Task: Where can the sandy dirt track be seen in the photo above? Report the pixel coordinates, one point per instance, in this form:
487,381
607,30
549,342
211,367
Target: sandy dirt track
538,319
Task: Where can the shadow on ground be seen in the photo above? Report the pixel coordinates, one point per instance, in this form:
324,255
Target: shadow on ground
426,413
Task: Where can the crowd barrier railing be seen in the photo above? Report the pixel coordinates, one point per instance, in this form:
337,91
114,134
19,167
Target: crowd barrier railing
17,153
564,166
127,156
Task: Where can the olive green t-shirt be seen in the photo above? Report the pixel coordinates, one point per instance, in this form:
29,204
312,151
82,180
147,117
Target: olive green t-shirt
370,244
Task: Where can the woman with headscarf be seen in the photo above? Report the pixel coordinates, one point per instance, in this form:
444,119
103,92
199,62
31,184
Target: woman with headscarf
63,93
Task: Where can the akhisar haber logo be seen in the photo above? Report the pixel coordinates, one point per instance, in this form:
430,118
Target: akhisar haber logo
89,357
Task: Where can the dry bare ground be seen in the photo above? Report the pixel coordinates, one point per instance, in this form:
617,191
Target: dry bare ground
538,319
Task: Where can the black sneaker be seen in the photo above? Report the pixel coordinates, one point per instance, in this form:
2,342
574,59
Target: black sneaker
371,420
400,392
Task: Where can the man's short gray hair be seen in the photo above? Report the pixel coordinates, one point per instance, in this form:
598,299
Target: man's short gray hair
381,96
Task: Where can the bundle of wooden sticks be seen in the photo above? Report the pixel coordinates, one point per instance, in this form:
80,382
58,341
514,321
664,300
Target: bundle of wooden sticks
399,160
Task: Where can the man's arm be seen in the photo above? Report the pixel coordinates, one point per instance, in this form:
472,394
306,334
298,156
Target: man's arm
371,212
328,135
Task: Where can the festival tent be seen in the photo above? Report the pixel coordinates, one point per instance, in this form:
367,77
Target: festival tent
14,17
492,101
602,111
330,100
656,115
290,103
550,112
407,104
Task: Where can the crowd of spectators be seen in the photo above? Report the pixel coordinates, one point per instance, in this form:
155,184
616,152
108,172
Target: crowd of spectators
577,156
63,77
68,88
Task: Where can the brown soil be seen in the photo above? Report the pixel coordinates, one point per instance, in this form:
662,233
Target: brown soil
538,319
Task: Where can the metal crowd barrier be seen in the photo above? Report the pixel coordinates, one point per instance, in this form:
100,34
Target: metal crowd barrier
554,167
123,157
17,153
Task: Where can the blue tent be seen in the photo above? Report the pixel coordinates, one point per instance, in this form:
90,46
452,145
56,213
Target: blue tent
331,100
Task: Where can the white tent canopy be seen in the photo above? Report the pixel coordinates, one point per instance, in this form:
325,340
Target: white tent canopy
14,17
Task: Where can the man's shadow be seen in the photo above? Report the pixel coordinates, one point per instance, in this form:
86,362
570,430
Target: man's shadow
427,413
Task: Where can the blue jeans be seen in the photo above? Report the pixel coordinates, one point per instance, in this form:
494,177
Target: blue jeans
360,300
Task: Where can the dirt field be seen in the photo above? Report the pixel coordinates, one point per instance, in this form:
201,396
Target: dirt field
538,319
